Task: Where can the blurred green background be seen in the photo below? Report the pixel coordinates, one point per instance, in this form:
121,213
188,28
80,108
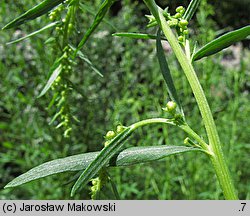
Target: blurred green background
132,89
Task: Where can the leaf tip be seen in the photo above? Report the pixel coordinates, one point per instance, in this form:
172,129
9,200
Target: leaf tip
40,95
72,193
8,185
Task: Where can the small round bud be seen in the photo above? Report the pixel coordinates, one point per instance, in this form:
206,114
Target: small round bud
110,135
52,17
186,141
185,32
94,188
63,93
183,23
59,9
172,23
94,181
58,79
65,56
106,143
171,106
119,128
180,38
180,9
63,20
177,16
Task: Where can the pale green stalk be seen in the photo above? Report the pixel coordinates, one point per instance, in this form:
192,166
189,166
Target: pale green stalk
184,126
216,155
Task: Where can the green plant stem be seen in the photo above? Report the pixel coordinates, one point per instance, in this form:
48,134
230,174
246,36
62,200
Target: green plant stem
183,126
217,156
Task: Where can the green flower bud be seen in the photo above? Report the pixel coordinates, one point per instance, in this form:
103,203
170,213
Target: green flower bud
119,128
180,9
177,16
189,142
71,26
110,135
52,17
186,141
181,39
171,106
58,79
65,56
67,133
172,23
183,23
94,181
185,32
106,143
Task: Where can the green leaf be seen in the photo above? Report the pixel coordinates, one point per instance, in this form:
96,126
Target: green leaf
166,72
129,156
86,59
84,7
136,155
102,159
136,35
34,33
222,42
34,12
51,80
98,18
192,7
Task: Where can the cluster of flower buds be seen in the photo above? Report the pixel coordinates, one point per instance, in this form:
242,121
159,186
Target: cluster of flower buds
171,107
98,183
96,186
56,13
112,134
61,87
176,21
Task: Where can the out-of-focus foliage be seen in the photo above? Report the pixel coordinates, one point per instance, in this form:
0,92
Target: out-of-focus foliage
132,89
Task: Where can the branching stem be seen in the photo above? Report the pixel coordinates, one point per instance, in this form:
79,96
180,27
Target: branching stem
217,157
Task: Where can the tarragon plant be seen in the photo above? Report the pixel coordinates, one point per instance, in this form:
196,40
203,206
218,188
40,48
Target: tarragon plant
173,28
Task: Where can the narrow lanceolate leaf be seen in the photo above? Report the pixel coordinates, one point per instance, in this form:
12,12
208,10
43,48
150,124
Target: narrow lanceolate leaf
34,33
222,42
85,7
87,60
102,159
37,11
51,80
129,156
98,18
138,155
136,35
192,7
166,72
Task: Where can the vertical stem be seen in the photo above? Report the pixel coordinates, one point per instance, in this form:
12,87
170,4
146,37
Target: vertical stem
217,156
